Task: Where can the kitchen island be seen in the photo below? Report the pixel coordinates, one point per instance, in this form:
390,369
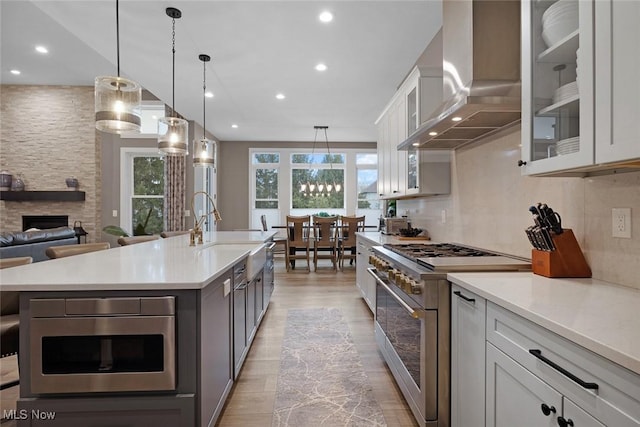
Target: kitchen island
136,335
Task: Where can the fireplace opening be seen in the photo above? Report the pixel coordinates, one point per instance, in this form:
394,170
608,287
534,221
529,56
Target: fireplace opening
44,221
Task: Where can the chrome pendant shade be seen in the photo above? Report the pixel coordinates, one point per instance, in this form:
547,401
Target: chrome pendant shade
117,100
173,132
204,150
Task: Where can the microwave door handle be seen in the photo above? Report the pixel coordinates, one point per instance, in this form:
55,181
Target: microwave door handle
416,314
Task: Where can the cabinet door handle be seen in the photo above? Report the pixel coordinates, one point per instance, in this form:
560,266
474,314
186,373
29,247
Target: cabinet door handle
538,354
565,422
547,410
458,293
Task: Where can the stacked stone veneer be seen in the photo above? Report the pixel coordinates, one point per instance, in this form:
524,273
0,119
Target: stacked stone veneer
47,134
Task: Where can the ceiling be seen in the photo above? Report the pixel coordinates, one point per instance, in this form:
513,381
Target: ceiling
258,49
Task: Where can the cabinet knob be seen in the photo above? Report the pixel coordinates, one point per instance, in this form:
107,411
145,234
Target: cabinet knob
546,410
521,163
564,422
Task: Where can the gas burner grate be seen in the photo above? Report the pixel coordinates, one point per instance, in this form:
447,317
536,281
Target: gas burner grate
416,250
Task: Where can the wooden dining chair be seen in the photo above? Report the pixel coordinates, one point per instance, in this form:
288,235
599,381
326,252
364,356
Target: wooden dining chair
349,226
325,238
298,239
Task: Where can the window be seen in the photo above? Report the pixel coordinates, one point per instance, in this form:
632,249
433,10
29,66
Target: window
266,180
276,178
142,191
324,170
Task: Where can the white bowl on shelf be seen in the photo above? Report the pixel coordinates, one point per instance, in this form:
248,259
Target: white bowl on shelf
559,20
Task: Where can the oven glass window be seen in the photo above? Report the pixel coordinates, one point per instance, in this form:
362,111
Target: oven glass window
403,331
106,353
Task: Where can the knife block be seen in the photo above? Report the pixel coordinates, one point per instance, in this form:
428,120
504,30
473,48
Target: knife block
566,261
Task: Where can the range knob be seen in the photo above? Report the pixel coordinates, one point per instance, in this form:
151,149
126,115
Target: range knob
372,259
392,274
384,266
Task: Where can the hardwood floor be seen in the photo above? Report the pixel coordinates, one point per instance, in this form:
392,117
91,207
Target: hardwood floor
252,398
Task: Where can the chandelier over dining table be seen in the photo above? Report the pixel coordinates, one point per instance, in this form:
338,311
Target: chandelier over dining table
319,187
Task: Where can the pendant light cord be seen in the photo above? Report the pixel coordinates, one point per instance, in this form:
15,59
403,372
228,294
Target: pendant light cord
173,73
204,99
326,138
118,35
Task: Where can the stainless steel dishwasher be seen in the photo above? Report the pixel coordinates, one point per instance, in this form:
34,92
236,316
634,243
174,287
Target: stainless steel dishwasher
240,284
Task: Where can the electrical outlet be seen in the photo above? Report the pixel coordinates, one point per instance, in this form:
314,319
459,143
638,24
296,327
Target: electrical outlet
187,212
443,216
621,222
114,213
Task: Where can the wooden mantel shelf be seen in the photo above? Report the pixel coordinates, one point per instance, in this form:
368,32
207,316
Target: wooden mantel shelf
42,196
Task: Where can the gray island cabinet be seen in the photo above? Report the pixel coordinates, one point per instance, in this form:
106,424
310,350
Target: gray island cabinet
135,343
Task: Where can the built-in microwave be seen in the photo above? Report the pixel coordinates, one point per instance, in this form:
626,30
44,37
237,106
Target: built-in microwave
85,345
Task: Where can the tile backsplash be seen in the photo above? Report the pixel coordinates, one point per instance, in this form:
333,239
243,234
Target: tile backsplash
489,201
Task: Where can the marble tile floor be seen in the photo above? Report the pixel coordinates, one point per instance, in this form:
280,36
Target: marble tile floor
251,402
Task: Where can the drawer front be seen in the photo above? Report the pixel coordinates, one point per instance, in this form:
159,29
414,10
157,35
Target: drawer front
564,364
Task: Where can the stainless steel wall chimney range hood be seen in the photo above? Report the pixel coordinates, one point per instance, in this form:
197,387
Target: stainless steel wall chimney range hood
481,74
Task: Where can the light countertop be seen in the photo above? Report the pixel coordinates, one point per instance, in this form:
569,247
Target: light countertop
159,264
377,238
599,316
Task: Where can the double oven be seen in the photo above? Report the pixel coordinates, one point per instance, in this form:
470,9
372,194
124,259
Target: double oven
412,317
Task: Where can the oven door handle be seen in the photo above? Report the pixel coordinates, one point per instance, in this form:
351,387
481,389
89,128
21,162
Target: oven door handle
416,314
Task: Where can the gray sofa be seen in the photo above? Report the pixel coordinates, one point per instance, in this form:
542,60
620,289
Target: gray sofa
34,243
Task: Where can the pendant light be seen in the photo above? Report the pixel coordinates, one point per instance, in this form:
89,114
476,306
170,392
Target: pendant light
204,150
317,188
117,100
173,132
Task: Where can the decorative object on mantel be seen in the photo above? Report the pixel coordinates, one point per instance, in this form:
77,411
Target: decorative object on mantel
5,181
195,234
204,150
72,183
173,131
42,196
18,183
117,100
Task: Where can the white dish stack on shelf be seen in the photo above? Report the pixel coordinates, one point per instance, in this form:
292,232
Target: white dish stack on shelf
568,146
577,64
559,20
564,92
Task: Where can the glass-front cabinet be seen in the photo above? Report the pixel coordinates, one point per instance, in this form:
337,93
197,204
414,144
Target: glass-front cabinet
557,85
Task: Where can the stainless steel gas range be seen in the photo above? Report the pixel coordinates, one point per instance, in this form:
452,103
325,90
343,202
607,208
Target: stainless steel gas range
412,318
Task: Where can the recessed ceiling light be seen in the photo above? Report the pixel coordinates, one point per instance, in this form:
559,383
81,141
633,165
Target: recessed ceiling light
433,133
416,144
154,117
321,67
15,72
326,16
235,126
280,96
456,119
42,49
208,94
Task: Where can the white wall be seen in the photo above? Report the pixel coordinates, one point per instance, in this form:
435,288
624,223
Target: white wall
489,201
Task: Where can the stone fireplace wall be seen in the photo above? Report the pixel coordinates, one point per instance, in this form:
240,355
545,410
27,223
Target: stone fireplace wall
47,134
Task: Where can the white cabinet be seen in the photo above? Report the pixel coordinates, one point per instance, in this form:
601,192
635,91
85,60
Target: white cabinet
579,90
364,281
529,366
399,171
516,397
617,44
468,314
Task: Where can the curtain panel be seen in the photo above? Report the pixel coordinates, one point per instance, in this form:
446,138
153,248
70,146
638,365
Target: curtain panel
174,192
